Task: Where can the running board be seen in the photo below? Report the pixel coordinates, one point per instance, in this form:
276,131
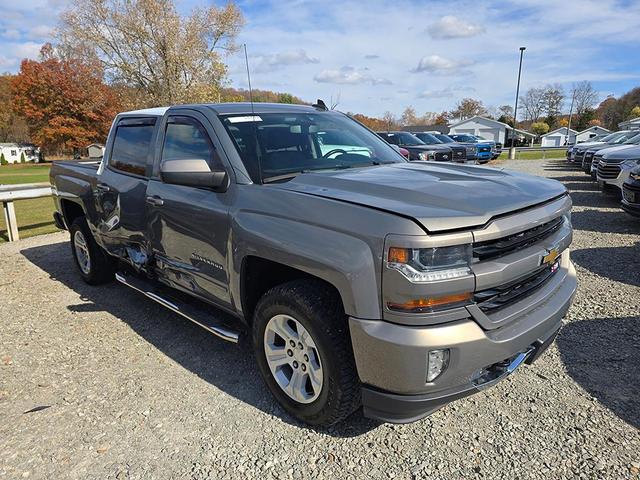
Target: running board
194,314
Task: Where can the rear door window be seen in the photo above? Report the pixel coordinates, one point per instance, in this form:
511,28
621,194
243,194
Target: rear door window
131,146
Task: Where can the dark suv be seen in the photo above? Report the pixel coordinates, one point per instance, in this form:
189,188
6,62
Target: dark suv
418,150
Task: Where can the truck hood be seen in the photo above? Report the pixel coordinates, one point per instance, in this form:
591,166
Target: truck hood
438,196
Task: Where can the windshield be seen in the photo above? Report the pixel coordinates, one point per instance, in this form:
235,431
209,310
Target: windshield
293,143
428,138
464,138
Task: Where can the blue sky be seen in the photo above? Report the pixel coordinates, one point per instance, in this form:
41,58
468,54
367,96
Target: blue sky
384,55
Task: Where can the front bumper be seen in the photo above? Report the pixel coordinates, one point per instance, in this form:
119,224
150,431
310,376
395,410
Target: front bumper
391,358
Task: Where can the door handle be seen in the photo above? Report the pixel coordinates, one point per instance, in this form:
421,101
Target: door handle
155,200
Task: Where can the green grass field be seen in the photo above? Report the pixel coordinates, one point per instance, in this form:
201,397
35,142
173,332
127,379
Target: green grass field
34,216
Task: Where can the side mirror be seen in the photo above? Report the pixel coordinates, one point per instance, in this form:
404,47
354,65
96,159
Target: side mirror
193,172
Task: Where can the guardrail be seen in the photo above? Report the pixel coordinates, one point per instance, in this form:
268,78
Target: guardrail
11,193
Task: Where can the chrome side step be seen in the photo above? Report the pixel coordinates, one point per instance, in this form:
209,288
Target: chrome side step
196,315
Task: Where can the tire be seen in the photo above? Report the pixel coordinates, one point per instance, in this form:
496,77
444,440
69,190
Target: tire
100,267
319,311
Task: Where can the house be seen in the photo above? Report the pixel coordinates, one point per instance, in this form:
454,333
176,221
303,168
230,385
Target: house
632,124
13,152
95,150
490,129
558,137
591,132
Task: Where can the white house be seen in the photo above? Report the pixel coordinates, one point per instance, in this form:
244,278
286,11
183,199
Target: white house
586,135
632,124
13,152
95,150
489,129
558,137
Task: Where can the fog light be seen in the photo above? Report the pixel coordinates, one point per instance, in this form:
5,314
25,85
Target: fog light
437,362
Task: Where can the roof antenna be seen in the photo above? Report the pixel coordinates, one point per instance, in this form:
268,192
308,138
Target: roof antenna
253,116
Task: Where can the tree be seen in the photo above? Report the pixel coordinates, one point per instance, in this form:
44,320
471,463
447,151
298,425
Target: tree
147,45
539,128
65,103
467,108
533,104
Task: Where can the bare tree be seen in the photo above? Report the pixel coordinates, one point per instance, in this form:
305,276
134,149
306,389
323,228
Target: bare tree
585,97
146,44
533,103
467,108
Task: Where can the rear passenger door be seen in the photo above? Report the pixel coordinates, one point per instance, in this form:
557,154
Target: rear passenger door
189,226
121,188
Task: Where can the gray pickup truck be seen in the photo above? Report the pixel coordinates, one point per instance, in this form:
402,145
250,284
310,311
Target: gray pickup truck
360,279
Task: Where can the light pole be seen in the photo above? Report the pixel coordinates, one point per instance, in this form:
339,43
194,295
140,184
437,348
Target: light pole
512,150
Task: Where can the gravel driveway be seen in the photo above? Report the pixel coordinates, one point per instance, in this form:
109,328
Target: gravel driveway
103,383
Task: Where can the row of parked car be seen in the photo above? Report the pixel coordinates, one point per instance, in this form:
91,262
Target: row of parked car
436,146
613,160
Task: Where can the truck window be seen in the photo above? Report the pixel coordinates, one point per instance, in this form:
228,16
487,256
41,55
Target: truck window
186,138
131,146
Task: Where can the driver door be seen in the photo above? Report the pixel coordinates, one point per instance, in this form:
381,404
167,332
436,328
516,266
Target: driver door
189,226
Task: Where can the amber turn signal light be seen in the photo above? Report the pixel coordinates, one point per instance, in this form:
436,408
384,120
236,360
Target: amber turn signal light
427,304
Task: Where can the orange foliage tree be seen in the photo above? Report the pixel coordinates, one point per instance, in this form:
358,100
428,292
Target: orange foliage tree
65,102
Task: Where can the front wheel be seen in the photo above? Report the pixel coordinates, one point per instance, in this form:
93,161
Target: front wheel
303,349
95,265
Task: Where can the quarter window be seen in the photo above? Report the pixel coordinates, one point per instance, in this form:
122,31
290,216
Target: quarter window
131,146
187,139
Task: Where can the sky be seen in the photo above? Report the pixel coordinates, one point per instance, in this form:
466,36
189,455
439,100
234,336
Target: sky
378,56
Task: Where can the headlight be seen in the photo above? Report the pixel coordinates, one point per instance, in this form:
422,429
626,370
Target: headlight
431,264
631,163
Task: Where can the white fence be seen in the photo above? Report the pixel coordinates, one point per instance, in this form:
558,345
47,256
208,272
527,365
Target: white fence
11,193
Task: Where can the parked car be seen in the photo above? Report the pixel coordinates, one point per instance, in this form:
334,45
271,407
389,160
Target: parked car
459,151
361,279
612,139
484,151
418,150
631,193
615,167
471,149
597,153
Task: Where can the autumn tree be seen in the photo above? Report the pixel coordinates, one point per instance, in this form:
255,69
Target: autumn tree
149,46
65,103
467,108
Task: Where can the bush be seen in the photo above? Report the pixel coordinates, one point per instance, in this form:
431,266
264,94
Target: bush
3,161
22,159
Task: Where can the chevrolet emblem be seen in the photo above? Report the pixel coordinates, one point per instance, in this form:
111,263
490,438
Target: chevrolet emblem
550,257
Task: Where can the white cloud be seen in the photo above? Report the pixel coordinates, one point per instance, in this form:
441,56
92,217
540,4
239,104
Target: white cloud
449,27
268,63
349,76
441,66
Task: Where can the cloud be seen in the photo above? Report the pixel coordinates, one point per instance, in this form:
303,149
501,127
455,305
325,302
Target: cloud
449,27
442,66
267,63
349,76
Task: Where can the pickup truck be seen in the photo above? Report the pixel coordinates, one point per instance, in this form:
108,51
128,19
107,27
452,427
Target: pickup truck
359,279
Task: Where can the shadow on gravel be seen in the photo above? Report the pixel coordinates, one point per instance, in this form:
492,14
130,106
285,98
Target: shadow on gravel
615,263
603,356
603,221
231,368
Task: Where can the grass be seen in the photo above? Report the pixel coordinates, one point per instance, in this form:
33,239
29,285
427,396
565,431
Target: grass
35,215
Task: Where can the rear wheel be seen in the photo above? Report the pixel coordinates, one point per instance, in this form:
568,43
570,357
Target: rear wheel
303,349
94,264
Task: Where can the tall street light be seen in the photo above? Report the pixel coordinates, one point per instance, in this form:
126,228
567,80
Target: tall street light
512,150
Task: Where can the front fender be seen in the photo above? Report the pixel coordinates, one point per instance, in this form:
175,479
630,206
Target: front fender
347,262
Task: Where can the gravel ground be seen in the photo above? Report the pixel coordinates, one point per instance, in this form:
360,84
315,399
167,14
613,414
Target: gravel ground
103,383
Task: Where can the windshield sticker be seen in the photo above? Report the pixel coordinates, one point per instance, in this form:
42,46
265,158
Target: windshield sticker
249,118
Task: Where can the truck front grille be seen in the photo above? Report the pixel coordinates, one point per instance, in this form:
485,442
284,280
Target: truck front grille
504,245
608,171
493,299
